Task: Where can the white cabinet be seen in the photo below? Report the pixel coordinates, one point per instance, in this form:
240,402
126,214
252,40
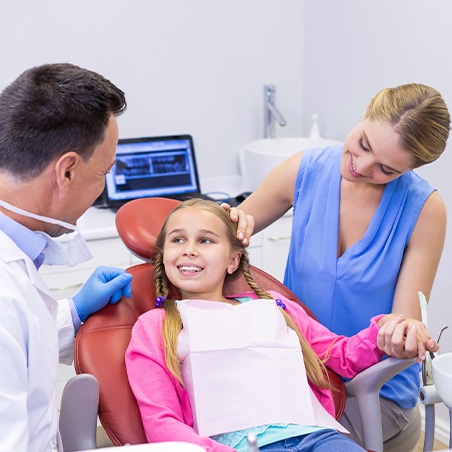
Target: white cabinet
268,250
65,281
275,246
255,250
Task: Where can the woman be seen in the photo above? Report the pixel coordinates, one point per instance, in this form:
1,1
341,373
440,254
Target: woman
182,358
367,232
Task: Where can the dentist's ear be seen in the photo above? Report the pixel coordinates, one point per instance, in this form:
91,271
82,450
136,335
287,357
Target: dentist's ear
65,168
234,263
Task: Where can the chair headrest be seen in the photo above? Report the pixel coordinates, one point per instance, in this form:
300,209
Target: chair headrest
139,223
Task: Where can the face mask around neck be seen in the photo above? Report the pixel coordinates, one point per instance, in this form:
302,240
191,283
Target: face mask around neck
69,249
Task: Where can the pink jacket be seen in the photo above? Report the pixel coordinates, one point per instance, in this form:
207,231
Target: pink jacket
163,402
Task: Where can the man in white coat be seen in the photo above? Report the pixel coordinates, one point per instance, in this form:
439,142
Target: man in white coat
58,136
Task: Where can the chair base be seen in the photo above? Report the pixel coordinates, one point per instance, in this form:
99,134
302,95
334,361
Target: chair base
408,437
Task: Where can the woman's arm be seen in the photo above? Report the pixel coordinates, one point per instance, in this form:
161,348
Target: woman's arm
421,258
270,201
164,404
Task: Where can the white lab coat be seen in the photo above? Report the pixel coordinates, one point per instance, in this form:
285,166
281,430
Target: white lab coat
36,332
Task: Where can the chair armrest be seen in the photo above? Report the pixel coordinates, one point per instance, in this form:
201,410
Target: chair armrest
365,387
78,414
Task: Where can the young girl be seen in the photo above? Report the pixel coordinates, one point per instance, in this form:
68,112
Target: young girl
207,369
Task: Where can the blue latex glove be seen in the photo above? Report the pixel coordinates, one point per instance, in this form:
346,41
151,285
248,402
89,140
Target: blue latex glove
105,285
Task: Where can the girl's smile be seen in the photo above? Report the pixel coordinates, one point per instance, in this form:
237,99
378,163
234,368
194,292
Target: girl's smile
187,268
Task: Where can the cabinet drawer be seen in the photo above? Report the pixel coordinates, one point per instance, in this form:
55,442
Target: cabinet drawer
66,283
276,242
110,252
255,256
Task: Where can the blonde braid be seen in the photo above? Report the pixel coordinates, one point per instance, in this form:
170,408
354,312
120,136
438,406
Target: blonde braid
245,269
172,324
160,279
315,368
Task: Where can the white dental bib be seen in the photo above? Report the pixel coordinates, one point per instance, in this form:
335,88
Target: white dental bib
243,367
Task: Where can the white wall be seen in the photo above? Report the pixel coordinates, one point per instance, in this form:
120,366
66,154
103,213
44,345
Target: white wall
352,49
187,66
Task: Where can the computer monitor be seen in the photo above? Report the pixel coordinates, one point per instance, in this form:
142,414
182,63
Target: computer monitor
153,166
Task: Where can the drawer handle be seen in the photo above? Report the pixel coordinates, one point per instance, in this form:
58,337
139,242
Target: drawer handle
73,286
278,238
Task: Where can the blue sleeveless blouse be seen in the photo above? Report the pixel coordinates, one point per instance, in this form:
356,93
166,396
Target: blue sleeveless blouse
345,292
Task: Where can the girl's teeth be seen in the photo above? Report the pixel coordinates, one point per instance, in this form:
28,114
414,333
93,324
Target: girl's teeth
190,269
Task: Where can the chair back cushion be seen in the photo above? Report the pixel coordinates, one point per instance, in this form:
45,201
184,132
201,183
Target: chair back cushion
100,347
139,223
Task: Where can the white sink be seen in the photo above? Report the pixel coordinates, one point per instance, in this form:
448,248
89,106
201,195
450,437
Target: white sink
442,377
259,157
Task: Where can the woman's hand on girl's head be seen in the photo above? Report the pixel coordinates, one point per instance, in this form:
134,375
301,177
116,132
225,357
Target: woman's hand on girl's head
245,222
404,338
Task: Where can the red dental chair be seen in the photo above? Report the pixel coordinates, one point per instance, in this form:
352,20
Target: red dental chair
102,340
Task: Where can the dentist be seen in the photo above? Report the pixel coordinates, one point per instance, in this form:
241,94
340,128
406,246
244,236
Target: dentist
58,136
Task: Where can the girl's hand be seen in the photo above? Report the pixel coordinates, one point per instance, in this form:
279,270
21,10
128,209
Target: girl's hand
404,338
245,222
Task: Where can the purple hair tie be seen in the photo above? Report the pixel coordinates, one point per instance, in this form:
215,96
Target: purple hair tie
159,302
280,303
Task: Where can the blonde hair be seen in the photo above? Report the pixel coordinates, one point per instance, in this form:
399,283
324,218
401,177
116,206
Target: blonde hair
315,368
418,114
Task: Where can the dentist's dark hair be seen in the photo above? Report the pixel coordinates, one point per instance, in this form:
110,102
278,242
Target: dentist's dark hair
52,109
